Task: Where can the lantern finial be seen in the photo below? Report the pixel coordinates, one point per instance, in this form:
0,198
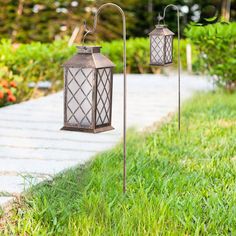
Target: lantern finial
159,18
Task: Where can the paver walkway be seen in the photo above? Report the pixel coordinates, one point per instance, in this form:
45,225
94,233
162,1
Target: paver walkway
33,148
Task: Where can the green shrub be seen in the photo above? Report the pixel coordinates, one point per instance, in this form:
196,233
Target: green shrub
216,45
37,61
32,62
9,88
138,54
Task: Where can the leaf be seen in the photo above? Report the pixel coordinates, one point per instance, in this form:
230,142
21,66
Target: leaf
211,19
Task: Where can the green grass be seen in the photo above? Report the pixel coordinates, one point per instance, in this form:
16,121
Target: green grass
178,184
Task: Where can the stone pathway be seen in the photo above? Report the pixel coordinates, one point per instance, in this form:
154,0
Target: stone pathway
32,147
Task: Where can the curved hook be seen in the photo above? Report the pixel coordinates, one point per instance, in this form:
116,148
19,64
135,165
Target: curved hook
91,31
87,30
170,5
178,24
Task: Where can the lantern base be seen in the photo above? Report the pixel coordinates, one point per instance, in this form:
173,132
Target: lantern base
166,64
97,130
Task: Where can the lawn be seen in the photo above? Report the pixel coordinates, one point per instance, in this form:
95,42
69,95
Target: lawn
178,183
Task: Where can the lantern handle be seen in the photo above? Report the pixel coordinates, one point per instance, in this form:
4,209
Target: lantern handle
173,6
91,31
87,30
160,18
178,24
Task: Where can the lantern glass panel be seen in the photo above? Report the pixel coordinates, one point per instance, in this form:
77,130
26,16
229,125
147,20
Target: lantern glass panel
161,46
104,93
168,49
157,49
79,96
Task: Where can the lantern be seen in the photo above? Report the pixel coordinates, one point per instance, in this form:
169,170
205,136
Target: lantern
161,46
88,79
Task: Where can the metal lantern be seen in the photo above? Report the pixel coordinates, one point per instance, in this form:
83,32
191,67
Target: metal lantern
161,46
88,91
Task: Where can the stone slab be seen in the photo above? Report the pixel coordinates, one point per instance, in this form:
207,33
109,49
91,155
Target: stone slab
18,183
37,166
5,200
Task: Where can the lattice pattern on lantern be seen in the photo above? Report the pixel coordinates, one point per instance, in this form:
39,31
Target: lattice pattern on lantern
79,96
169,48
88,91
161,46
157,49
103,111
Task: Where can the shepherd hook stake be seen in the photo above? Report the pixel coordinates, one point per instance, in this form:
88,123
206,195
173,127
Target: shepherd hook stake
179,88
91,31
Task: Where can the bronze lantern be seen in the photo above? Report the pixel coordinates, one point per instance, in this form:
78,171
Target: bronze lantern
88,81
161,46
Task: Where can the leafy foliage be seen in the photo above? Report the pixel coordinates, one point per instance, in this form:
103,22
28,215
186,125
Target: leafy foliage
138,54
217,46
34,62
178,183
38,20
13,88
42,20
7,92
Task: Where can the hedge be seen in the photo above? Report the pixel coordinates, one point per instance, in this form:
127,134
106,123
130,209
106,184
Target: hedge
216,44
34,62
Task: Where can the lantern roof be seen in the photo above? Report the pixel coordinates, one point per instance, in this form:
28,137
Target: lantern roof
161,30
89,57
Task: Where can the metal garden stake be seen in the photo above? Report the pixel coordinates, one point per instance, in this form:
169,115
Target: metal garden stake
161,48
88,88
